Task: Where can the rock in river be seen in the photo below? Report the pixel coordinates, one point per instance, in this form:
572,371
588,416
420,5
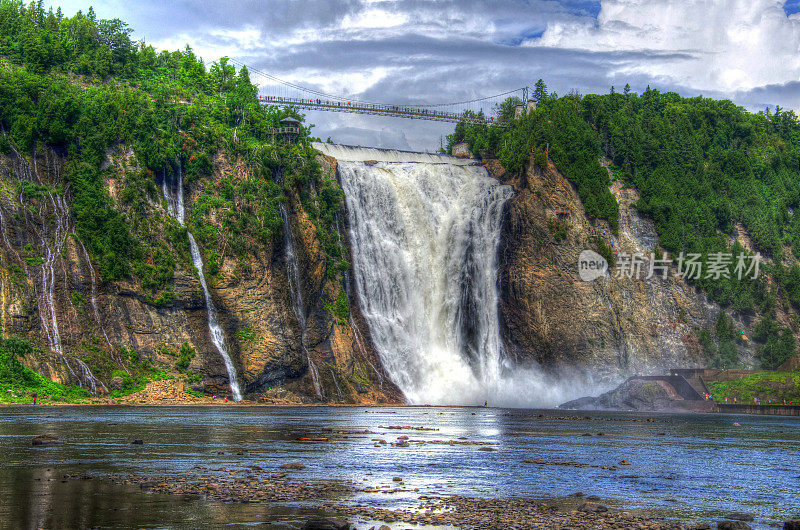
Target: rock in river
326,524
46,439
592,507
733,525
740,516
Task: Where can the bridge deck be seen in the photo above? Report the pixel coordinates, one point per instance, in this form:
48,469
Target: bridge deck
378,110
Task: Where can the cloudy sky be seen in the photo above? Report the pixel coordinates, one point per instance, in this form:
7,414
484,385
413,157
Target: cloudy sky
412,51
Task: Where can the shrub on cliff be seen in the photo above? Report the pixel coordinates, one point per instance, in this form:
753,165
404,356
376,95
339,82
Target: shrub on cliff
555,129
80,85
777,343
17,382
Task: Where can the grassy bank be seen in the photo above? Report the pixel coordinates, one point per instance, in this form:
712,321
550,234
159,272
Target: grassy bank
18,384
766,386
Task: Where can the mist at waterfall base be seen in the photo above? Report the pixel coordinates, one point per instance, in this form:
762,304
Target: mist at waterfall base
424,231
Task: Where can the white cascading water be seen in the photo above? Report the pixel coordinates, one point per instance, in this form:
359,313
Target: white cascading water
52,235
93,382
94,293
293,272
424,231
176,209
51,241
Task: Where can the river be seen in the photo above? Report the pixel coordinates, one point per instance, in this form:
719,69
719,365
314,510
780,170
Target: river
691,467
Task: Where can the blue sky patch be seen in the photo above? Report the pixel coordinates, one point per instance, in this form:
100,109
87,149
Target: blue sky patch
592,8
791,7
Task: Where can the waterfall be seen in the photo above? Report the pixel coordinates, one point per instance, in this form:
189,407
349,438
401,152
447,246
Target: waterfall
51,241
176,209
217,336
424,231
293,272
94,292
89,377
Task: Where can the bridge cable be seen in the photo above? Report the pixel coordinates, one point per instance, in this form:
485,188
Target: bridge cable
353,100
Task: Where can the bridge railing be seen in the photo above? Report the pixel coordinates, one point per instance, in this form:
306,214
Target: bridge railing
284,130
378,109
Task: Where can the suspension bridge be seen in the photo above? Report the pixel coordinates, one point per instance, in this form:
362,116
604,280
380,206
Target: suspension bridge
276,91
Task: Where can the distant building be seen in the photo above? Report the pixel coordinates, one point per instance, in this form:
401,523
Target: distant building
289,128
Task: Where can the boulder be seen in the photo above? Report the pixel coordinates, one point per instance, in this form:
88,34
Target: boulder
733,525
326,524
633,394
46,439
297,466
461,150
592,507
740,516
794,524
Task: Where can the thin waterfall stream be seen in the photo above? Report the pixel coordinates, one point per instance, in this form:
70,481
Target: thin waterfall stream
175,208
93,298
293,272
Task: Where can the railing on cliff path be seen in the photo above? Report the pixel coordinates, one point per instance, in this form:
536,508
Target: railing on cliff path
771,409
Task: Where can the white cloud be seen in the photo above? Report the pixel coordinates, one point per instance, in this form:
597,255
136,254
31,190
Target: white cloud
720,45
350,82
248,37
374,18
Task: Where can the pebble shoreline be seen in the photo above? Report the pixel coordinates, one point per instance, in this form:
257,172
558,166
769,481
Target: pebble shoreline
255,485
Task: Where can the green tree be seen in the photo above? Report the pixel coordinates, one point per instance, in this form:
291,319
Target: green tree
540,91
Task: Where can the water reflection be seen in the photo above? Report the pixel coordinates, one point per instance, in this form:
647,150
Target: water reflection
692,466
41,498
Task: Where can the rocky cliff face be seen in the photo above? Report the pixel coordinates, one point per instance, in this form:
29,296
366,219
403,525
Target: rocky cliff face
609,327
53,295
